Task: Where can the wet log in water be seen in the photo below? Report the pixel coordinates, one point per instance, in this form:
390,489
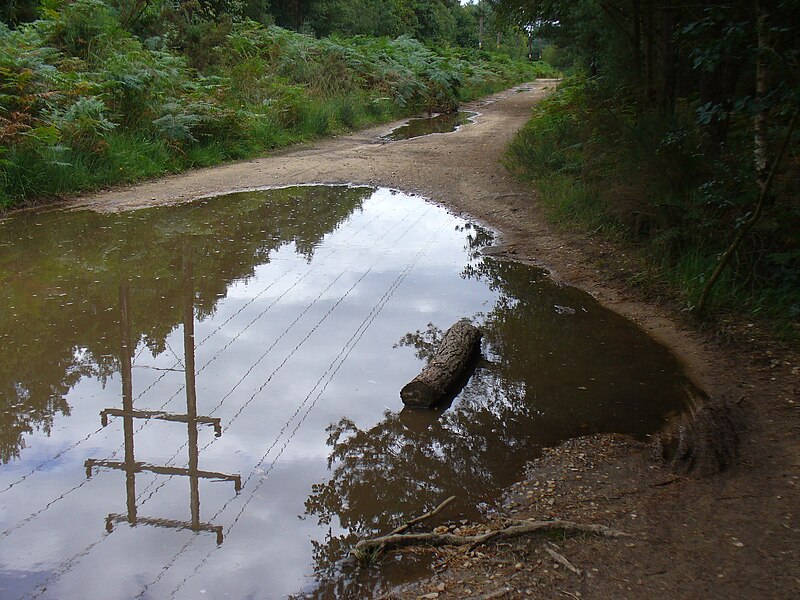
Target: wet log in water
458,345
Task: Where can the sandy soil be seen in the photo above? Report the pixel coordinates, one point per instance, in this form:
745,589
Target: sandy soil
733,535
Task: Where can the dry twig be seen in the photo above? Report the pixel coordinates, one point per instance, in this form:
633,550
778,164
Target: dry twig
427,515
366,549
562,560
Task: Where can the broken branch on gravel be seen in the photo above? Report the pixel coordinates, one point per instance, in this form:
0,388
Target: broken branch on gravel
421,518
370,548
562,560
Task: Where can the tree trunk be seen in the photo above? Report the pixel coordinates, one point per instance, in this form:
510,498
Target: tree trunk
458,345
480,29
650,51
637,40
762,88
669,61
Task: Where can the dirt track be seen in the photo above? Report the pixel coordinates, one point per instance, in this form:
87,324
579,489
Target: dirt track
736,535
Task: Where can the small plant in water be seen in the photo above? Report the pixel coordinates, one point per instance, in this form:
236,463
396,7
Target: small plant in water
366,555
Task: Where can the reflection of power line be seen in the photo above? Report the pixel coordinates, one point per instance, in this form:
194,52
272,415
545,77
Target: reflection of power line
177,358
274,372
289,356
275,342
53,458
261,314
46,507
327,377
67,565
166,371
130,465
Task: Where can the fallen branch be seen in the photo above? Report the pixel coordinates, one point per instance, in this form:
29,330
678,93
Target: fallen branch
562,560
366,549
427,515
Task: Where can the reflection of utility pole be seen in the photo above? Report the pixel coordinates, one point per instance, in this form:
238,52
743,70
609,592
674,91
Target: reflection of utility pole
128,414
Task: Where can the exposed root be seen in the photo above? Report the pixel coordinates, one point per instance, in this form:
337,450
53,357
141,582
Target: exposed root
372,547
562,560
705,442
366,555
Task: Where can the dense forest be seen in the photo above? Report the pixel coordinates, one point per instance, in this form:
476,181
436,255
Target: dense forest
94,92
676,132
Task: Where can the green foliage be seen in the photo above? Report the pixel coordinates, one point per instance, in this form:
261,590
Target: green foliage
680,104
85,102
650,179
14,12
361,17
197,30
556,57
83,125
552,141
81,26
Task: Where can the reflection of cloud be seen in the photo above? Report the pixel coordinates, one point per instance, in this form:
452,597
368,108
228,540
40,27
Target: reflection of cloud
250,295
269,418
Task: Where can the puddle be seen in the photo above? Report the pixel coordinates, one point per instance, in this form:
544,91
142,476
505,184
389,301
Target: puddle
440,123
260,339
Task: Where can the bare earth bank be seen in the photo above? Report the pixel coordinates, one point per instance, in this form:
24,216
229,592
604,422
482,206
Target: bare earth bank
734,535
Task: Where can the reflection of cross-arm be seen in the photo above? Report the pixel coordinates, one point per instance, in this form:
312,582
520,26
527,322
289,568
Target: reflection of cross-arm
139,467
161,416
168,523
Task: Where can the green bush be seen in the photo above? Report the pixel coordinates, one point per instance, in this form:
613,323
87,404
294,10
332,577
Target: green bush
84,124
556,57
80,27
647,176
85,102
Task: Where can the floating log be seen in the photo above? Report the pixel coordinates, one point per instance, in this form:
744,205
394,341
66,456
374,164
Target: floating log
458,345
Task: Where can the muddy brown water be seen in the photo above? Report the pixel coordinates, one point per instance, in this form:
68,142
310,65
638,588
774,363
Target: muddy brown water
439,123
259,340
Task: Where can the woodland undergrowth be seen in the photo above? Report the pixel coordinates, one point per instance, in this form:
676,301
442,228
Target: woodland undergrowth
86,103
647,181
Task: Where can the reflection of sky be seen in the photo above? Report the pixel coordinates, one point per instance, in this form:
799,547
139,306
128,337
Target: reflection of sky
322,350
286,352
